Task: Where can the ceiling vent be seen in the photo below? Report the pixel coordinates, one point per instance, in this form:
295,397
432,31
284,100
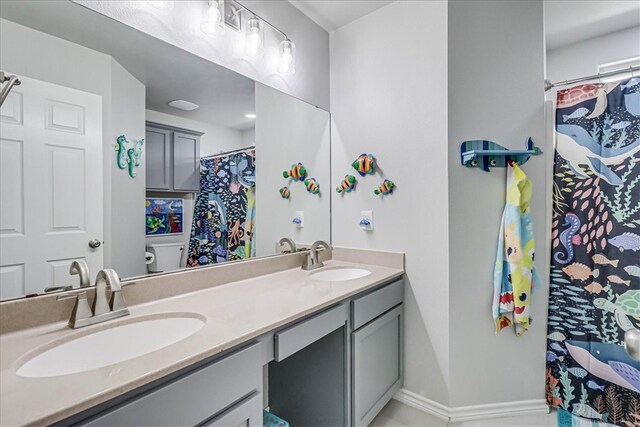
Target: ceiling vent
181,104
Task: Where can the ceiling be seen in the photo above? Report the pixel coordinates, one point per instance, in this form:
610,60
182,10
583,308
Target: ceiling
571,21
333,14
168,72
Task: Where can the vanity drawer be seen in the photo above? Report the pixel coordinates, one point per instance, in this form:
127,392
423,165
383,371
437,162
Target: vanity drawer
297,337
193,398
372,305
247,413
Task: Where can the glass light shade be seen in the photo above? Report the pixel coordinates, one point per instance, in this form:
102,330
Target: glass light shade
213,19
160,4
287,61
254,39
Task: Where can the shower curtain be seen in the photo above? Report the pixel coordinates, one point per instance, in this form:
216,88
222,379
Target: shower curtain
223,219
595,267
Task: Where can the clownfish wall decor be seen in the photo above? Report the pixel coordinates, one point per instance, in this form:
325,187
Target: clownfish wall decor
284,192
296,172
348,184
365,164
385,188
312,186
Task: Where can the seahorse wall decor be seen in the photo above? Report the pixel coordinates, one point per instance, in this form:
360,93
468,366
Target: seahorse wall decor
129,154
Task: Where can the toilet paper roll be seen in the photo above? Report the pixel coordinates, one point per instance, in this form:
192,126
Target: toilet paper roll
149,257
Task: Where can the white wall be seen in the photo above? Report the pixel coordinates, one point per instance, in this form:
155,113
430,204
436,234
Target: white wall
389,98
127,194
68,64
289,131
582,58
181,27
249,137
495,72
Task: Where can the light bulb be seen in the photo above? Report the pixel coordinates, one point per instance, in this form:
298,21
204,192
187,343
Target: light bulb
161,5
254,38
287,63
213,19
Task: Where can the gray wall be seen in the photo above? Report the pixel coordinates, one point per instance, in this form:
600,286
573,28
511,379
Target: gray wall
68,64
181,27
495,72
389,98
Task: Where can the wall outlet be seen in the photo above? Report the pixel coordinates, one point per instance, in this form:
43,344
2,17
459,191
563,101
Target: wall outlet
298,219
366,220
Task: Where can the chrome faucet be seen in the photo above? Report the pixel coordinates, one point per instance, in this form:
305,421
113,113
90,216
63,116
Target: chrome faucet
78,267
312,262
101,309
81,268
292,245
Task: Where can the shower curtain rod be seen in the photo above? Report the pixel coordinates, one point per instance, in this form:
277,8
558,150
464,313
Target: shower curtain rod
632,69
226,153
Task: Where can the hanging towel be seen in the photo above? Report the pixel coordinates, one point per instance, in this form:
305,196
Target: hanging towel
515,275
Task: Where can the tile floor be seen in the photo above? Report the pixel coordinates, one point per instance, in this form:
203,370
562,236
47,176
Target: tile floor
396,414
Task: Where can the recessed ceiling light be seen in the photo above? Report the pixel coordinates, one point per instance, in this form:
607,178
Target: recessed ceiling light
250,116
181,104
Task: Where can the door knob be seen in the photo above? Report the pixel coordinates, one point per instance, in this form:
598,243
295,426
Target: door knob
632,343
94,243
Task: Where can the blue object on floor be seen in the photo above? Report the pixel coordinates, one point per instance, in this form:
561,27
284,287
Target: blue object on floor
565,419
270,420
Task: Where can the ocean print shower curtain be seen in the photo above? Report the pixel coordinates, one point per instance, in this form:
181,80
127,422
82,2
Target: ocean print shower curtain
223,222
595,267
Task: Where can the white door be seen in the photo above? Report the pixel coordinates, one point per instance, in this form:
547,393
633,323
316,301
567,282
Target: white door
50,186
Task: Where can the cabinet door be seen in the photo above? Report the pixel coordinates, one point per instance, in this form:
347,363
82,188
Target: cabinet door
376,365
186,162
247,413
158,154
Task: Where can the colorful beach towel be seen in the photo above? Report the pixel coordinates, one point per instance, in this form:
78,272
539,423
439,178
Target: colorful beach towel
515,275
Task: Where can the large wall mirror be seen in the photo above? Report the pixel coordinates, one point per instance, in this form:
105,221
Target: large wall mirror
121,151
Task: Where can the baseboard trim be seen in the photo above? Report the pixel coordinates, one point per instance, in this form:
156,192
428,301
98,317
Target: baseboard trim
474,412
423,404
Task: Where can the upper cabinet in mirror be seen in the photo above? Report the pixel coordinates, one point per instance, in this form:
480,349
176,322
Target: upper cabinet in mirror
122,151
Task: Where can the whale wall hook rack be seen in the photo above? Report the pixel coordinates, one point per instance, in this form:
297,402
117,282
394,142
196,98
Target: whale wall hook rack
488,154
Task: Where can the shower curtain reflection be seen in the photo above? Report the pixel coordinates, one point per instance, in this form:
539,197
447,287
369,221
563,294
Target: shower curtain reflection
224,213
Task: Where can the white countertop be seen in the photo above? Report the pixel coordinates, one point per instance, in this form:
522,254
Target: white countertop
235,313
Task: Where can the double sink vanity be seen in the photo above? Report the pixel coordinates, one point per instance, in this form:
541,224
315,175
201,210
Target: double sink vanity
317,347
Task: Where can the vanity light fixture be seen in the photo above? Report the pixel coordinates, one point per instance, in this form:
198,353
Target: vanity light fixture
183,105
250,116
287,62
254,38
161,5
213,19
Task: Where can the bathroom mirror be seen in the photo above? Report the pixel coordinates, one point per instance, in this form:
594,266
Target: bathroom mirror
99,165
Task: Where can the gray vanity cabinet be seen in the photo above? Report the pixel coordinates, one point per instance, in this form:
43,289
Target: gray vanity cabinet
173,159
224,392
376,351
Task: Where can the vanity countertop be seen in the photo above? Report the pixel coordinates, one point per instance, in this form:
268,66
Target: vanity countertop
235,313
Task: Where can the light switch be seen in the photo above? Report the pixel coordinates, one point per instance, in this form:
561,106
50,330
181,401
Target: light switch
298,219
366,220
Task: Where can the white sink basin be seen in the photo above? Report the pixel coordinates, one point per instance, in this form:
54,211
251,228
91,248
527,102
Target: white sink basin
339,274
110,346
